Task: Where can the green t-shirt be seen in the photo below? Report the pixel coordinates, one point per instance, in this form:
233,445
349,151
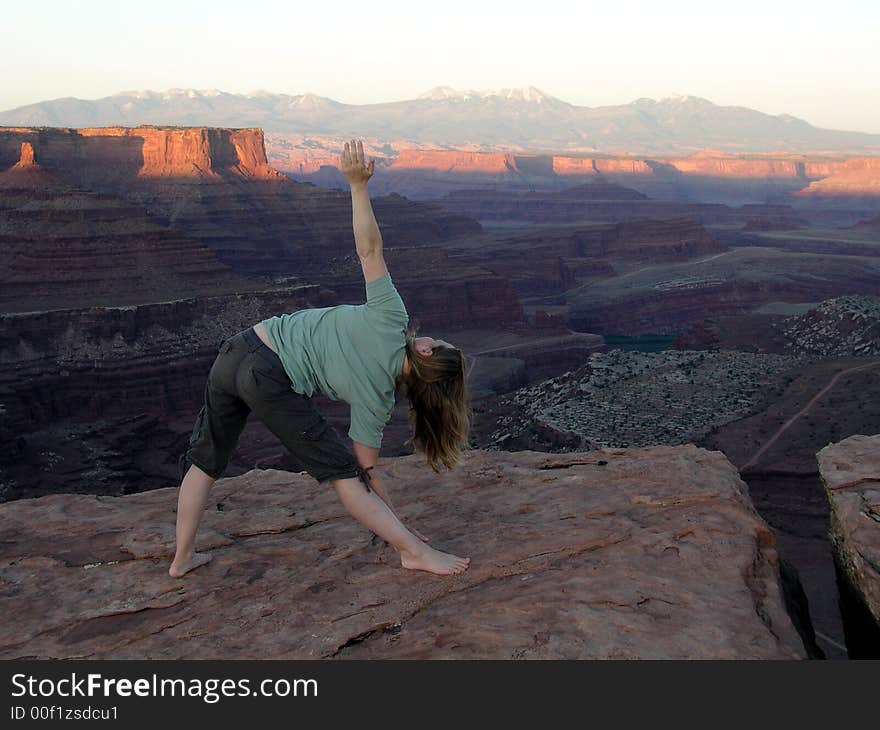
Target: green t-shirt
350,352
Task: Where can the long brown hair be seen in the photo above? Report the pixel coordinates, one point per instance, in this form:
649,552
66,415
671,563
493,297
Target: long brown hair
438,402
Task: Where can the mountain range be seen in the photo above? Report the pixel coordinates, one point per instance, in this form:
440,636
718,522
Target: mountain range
518,119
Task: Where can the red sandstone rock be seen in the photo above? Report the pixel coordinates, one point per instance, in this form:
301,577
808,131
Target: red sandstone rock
708,174
850,471
112,154
738,167
622,166
495,163
27,155
856,177
636,553
27,174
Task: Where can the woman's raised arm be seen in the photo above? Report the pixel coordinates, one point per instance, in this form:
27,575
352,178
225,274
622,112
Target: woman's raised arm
367,239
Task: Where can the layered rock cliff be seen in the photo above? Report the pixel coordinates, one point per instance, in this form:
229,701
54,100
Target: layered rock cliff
850,471
552,259
601,201
852,181
706,176
70,247
640,553
92,157
100,399
669,297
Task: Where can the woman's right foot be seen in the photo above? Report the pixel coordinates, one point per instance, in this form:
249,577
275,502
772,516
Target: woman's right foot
434,561
183,566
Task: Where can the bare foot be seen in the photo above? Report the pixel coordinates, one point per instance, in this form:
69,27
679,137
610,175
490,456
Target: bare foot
434,561
181,567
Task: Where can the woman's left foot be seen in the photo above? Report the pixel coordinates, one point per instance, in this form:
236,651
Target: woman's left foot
179,568
434,561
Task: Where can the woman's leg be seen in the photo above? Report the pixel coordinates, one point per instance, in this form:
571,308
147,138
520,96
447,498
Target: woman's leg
190,507
214,437
369,509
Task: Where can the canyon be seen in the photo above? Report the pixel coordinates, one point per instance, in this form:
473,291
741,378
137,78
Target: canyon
128,254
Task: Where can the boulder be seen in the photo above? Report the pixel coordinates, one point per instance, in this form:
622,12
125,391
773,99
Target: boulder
850,471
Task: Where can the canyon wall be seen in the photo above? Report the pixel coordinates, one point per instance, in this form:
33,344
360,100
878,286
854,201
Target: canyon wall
669,297
553,259
113,155
707,176
84,364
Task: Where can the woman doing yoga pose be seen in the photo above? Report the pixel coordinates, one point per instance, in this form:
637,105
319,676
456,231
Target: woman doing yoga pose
357,353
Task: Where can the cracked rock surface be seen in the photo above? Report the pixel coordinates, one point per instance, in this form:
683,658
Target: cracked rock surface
650,552
850,471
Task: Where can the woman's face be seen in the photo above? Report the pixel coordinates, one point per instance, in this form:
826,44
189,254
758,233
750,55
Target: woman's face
425,345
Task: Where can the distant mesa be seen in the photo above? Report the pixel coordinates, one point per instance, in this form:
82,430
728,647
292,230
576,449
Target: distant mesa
857,176
113,154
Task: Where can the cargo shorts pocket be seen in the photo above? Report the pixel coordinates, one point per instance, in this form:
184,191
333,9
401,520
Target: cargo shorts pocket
270,383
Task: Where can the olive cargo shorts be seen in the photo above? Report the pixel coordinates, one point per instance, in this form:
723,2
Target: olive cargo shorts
248,377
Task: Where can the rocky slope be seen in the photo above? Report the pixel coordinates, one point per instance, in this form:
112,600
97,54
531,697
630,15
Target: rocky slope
838,327
850,471
627,398
848,325
640,553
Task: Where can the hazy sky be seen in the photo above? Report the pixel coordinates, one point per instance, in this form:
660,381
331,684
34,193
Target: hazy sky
815,60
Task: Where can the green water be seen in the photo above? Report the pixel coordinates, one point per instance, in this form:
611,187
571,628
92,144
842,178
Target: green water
642,343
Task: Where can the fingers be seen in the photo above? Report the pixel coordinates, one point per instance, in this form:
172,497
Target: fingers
353,156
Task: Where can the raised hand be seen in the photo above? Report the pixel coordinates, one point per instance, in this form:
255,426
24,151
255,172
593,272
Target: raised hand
353,164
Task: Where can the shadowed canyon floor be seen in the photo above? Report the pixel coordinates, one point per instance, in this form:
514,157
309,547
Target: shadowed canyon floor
637,553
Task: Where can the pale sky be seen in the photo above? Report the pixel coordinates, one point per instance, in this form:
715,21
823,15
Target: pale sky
816,60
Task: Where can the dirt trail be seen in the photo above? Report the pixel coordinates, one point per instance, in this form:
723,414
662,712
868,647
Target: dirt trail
772,440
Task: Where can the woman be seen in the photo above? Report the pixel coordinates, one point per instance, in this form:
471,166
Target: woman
359,354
